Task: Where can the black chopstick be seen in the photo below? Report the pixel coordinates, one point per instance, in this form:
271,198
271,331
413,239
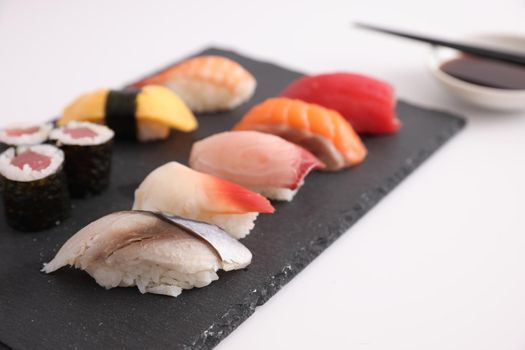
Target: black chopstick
504,56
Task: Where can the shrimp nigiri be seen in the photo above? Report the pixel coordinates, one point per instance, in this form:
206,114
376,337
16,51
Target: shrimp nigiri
264,163
178,190
322,131
157,253
207,83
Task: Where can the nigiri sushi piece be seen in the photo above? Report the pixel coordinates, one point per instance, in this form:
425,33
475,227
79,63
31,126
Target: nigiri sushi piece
322,131
207,83
368,104
159,254
145,114
264,163
178,190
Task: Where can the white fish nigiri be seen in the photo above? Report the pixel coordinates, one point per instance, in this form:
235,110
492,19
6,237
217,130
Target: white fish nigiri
178,190
157,253
262,162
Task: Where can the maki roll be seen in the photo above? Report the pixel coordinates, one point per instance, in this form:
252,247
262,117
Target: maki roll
35,188
143,114
24,134
87,148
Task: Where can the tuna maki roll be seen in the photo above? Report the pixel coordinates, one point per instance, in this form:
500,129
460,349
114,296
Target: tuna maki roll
87,148
22,134
35,189
19,135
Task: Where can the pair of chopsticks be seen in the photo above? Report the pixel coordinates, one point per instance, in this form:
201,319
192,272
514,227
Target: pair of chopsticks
499,55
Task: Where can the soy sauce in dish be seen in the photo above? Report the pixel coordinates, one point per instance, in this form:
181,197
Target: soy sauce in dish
486,72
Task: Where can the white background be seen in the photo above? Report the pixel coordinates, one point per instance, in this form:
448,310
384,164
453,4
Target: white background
438,264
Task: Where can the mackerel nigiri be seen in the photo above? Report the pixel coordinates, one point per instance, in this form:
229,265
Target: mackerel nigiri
178,190
367,103
322,131
157,253
207,83
264,163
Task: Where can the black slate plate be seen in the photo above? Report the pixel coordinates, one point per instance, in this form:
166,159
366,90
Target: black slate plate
69,310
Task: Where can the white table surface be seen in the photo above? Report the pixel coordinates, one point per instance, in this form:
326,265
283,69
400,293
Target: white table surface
437,264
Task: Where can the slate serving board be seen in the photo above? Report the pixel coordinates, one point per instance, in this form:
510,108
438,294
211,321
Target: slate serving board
68,310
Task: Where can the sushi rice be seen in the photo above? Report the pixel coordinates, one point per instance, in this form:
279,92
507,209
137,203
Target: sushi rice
237,225
31,138
103,134
216,98
278,194
150,277
27,174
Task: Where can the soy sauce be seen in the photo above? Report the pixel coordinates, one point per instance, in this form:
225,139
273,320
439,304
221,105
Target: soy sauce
486,72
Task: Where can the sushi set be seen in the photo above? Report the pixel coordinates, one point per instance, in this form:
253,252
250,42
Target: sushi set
214,181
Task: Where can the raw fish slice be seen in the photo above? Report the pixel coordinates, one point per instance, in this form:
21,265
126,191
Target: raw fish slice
232,253
176,189
33,160
367,104
207,83
262,162
158,254
322,131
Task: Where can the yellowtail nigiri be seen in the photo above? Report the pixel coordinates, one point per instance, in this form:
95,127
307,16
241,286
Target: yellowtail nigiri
262,162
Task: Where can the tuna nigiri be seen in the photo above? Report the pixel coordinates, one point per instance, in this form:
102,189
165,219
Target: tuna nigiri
157,253
264,163
176,189
207,83
322,131
367,103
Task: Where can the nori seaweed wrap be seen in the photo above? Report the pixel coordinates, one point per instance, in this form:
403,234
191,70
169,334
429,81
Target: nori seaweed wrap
88,149
35,188
120,113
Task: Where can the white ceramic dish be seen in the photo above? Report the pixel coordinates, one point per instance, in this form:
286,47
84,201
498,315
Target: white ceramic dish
492,98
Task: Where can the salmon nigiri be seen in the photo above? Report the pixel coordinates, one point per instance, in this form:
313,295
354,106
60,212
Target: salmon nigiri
322,131
207,83
264,163
367,103
178,190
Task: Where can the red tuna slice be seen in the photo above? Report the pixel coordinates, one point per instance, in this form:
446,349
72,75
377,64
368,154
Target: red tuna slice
80,132
36,161
367,103
21,131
